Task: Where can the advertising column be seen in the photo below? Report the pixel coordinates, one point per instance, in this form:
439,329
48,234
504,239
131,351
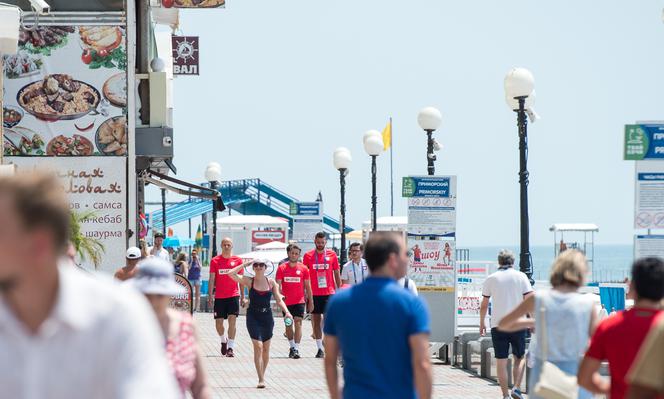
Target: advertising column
431,241
65,107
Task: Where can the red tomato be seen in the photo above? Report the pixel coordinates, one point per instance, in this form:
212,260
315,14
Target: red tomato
86,57
167,3
102,53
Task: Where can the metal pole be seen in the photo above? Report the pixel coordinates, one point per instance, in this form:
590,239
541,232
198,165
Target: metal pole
430,155
391,170
373,193
163,211
525,259
214,222
342,219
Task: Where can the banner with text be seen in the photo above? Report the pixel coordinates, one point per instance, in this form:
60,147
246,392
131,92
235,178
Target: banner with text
431,205
644,141
259,237
649,195
431,264
648,245
95,186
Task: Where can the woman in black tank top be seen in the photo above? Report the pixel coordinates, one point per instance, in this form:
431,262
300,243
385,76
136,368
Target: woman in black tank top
260,322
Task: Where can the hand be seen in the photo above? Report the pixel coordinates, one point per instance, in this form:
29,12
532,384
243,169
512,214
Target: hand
482,329
288,316
310,306
244,302
209,300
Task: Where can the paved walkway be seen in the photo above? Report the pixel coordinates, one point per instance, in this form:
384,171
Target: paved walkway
236,377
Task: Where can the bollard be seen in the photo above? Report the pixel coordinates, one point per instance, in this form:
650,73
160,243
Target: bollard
485,366
464,339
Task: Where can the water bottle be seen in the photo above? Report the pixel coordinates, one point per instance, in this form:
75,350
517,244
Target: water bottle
288,321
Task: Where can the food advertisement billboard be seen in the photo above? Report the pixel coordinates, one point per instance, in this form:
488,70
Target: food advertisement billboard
65,92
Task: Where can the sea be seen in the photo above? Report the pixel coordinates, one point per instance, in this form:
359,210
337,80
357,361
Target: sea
611,263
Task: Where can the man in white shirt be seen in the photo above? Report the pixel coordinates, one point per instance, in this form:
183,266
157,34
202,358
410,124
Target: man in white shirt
355,270
506,288
408,284
64,334
158,250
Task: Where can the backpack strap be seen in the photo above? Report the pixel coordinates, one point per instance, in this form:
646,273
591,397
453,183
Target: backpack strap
405,283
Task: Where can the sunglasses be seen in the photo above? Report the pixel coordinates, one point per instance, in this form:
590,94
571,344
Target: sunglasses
259,264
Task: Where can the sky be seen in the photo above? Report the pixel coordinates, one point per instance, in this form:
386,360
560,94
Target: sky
284,83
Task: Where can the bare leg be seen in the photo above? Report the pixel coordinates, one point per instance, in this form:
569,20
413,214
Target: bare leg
197,297
501,368
258,359
289,332
219,324
231,326
266,356
317,322
298,330
518,371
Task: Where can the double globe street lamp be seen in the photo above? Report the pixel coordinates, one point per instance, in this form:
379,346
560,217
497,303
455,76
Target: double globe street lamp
429,120
520,94
373,145
342,160
213,175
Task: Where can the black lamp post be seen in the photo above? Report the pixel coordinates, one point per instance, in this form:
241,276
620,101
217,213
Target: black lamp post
342,160
212,175
429,119
519,85
373,145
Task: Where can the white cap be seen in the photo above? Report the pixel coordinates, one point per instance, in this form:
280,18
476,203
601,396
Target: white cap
133,253
156,276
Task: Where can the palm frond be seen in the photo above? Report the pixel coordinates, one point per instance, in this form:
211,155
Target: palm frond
86,247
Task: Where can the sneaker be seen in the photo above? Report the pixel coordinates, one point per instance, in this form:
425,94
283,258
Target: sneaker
291,353
229,353
296,354
224,348
320,354
516,394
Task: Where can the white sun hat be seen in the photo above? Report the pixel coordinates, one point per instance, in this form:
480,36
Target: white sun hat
156,276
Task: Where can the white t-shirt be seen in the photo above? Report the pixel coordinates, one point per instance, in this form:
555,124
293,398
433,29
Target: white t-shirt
355,273
412,287
162,253
506,288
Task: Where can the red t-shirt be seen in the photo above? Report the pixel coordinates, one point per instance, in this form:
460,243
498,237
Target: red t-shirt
617,340
224,285
292,282
321,271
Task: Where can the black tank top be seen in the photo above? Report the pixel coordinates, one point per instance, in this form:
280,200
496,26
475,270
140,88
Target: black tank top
259,300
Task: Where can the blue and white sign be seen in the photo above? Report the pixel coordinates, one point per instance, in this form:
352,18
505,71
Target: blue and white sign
431,205
306,209
644,141
648,245
649,195
307,221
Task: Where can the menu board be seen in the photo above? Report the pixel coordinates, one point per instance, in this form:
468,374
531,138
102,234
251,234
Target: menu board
65,92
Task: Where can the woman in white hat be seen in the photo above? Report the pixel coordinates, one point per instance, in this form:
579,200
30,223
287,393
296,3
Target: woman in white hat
260,322
155,279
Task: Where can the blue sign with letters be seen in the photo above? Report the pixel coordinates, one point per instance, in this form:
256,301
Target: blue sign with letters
431,186
645,141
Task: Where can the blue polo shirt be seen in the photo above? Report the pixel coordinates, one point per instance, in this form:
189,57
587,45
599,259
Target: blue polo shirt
372,322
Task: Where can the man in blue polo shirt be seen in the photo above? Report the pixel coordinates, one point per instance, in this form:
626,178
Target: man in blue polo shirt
381,330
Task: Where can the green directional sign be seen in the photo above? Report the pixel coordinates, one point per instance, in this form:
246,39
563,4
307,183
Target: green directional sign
293,208
408,187
636,143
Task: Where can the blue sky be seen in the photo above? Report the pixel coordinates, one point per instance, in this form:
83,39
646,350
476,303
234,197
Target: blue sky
283,83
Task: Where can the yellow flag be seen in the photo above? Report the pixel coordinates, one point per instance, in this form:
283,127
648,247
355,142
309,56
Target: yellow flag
387,136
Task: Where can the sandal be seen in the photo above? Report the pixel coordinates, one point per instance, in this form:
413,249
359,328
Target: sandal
260,385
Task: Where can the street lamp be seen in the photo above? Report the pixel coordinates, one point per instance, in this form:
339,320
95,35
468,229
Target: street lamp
373,145
342,160
213,175
429,120
519,86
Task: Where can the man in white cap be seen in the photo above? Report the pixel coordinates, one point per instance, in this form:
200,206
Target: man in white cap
129,271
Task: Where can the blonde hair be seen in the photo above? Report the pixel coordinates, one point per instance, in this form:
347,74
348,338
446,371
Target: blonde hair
181,257
570,267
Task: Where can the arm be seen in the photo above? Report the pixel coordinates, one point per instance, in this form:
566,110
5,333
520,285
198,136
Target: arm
242,280
422,375
185,269
211,286
484,307
309,295
337,278
589,377
280,301
516,320
331,371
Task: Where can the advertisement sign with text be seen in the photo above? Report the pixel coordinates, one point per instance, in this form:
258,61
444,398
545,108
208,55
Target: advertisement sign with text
644,141
95,185
307,220
431,205
469,282
185,55
259,237
65,92
648,246
649,195
431,264
185,301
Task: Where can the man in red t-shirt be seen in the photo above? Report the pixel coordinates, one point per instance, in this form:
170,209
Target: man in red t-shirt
226,293
619,337
325,276
293,278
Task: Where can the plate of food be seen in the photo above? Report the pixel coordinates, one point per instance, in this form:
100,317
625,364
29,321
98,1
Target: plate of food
11,116
195,3
58,97
76,145
115,90
44,39
111,136
22,65
102,47
26,141
9,148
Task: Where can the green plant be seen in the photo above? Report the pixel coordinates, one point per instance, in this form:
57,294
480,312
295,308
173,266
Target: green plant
86,247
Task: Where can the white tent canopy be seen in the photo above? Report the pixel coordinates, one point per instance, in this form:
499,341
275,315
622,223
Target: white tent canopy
274,245
574,227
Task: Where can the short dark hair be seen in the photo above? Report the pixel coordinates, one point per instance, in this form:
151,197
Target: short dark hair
648,278
291,247
356,244
379,247
158,234
320,234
